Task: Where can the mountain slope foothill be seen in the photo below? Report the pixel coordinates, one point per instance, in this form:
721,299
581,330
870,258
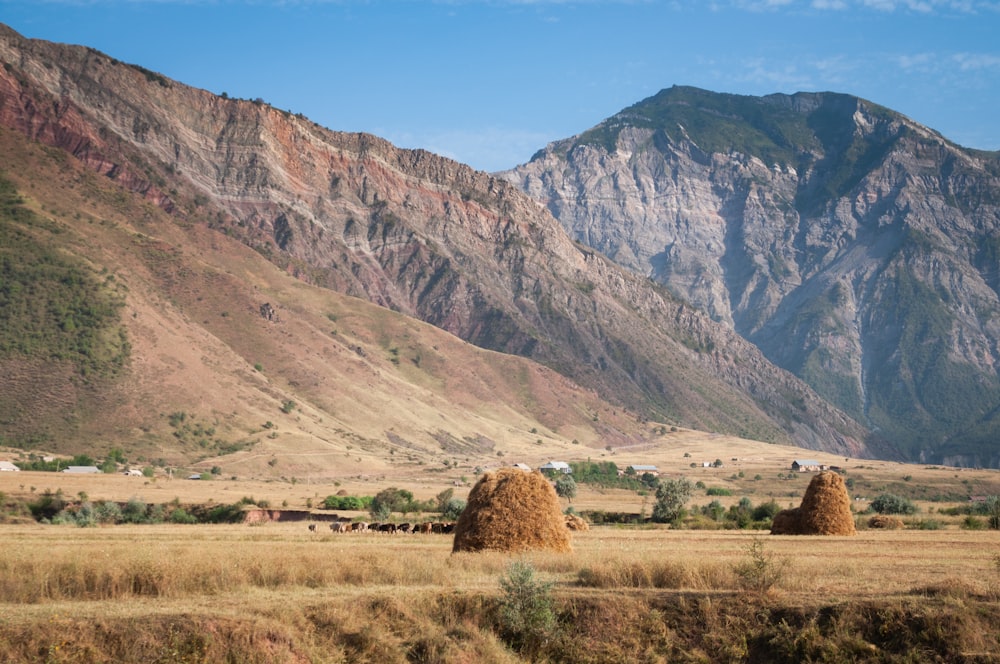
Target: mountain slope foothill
274,276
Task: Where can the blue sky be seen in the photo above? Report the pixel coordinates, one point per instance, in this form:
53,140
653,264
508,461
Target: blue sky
490,82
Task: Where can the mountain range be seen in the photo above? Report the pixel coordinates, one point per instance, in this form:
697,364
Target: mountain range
202,278
852,246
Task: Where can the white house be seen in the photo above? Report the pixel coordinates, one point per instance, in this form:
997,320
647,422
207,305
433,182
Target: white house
8,466
639,469
522,466
806,465
82,470
556,466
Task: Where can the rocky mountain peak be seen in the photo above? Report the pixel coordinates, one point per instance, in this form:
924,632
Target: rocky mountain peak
849,243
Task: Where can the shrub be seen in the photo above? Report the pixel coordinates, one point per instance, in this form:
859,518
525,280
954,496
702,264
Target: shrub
888,503
134,511
47,506
759,571
180,515
717,491
108,512
453,509
527,615
391,500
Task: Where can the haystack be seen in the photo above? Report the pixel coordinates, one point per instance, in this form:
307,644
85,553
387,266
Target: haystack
574,522
511,510
886,521
825,510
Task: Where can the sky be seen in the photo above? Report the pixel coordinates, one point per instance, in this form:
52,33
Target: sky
490,82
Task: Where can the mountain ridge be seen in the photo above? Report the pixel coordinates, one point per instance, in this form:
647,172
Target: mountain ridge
852,245
410,231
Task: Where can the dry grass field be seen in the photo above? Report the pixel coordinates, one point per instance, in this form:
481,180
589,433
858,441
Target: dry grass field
278,592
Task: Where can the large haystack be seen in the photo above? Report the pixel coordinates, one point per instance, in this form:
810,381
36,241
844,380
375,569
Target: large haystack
825,510
511,510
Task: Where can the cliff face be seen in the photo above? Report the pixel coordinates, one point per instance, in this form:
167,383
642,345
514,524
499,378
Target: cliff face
853,246
413,232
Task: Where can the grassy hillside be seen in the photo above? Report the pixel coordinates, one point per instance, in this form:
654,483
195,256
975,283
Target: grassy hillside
134,330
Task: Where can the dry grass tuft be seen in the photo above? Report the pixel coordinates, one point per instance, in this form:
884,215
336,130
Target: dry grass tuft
511,510
825,510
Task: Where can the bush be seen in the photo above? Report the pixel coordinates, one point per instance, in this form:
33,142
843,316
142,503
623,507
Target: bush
527,615
717,491
759,571
47,506
180,515
888,503
453,509
134,511
391,500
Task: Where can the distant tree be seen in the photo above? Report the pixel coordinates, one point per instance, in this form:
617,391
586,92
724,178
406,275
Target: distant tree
453,509
443,498
671,496
566,487
888,503
391,500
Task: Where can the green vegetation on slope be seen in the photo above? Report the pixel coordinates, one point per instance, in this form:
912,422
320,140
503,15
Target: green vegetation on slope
51,306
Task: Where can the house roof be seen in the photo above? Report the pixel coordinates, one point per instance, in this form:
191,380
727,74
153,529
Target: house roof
639,466
7,465
557,465
806,462
81,469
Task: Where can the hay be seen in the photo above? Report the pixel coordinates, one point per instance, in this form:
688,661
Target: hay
512,510
787,522
886,521
825,510
574,522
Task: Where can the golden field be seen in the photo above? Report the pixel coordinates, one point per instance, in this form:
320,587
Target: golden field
280,593
277,592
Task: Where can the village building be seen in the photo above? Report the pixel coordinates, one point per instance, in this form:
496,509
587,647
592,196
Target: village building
556,466
640,469
7,466
807,465
82,470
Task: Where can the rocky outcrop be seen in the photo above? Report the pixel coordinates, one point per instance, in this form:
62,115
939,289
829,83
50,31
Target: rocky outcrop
853,246
414,232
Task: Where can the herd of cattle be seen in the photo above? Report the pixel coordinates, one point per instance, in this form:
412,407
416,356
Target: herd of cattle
389,528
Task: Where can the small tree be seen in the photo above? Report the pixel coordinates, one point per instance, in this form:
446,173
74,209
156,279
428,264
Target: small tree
391,500
671,496
566,487
453,509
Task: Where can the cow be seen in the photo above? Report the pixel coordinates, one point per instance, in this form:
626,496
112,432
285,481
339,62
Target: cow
389,528
425,527
359,527
312,527
340,527
448,528
403,528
